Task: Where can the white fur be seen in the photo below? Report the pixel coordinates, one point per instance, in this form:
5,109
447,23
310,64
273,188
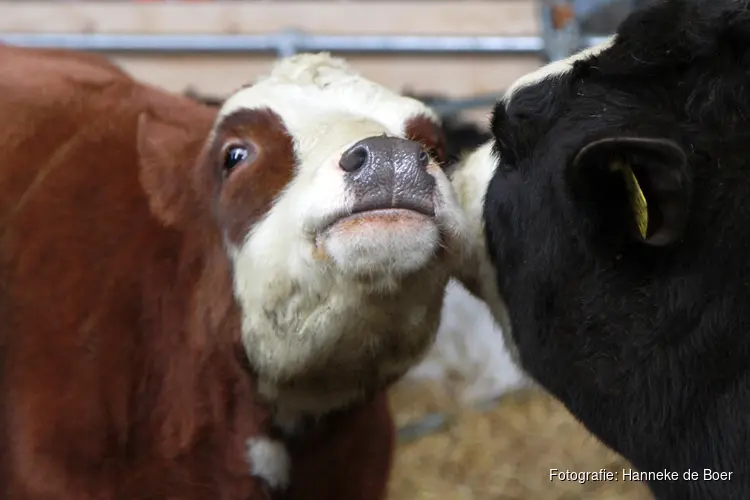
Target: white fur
308,88
555,68
470,182
372,251
349,304
470,345
269,461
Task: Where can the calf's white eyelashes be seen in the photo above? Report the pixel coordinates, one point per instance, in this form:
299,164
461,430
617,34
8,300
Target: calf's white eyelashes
341,275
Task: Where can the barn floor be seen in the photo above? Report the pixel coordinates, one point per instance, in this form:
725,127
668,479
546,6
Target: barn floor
504,453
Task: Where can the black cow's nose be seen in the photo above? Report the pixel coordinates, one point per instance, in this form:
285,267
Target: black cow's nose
375,149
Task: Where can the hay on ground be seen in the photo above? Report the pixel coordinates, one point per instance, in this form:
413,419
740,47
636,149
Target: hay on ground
504,453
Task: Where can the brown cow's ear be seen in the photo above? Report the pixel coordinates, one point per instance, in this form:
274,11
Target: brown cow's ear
654,191
167,152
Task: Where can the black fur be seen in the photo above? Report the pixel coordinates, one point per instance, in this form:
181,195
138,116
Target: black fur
648,345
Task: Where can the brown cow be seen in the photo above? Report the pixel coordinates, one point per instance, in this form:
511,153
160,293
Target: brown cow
179,285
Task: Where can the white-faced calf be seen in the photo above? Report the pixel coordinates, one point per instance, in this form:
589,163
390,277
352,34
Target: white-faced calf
177,282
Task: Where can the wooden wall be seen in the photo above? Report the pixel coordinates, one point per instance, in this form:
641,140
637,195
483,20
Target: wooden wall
453,75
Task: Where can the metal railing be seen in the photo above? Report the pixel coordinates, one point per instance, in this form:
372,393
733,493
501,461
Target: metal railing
556,40
284,43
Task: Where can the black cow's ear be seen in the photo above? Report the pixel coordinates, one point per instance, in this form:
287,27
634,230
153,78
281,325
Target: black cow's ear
653,174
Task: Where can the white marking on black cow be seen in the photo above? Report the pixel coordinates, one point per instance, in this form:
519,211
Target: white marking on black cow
555,68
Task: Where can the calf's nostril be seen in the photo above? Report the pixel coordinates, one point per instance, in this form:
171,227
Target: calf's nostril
424,158
354,158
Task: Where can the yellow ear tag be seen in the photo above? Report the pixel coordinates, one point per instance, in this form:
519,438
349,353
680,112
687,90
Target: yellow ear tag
637,199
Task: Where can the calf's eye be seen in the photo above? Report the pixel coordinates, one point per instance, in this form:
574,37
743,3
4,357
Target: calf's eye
234,156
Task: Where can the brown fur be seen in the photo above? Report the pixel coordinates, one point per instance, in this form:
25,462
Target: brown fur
252,187
122,375
347,456
122,372
422,129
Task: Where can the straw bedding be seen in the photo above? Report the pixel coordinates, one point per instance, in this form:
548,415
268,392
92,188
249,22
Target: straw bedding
502,452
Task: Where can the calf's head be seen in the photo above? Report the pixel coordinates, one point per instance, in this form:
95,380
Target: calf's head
338,222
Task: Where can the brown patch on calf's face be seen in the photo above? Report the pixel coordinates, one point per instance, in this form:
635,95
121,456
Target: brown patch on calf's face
428,133
248,190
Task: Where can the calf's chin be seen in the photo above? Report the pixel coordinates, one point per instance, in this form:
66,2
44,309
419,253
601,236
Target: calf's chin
398,244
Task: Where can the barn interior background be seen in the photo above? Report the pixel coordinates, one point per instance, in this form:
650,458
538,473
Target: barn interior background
471,427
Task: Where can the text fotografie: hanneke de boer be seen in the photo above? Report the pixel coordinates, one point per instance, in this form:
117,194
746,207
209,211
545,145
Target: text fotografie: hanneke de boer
634,475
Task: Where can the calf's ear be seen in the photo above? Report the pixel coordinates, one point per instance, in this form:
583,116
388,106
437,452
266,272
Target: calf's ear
168,148
653,183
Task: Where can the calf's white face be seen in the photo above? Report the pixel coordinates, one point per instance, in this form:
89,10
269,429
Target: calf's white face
340,274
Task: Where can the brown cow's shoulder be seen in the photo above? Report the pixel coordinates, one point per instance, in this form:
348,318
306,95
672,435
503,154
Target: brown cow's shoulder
50,102
118,390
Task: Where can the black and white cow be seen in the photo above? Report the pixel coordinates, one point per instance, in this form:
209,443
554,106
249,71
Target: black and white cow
613,208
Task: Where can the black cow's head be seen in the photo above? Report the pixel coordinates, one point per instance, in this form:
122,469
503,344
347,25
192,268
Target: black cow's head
611,210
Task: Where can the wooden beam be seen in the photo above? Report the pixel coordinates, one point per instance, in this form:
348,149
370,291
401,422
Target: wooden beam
453,76
450,75
427,17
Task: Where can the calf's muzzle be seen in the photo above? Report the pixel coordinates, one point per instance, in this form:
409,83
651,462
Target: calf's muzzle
389,172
